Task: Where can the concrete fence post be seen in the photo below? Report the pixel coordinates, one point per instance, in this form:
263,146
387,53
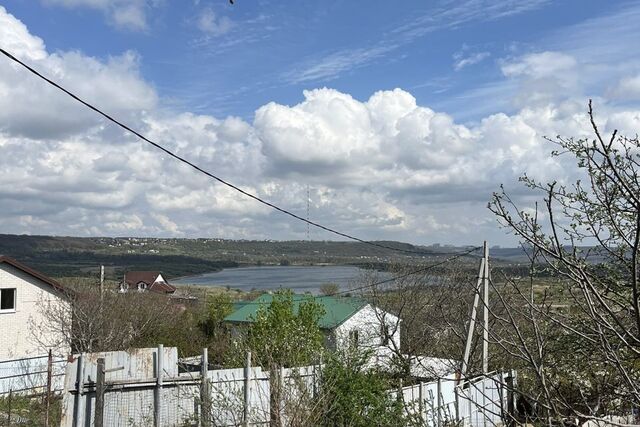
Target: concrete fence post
157,396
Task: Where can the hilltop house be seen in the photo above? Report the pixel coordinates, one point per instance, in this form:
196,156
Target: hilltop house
24,294
348,323
143,281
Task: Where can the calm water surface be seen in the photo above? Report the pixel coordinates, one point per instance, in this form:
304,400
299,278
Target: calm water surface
297,278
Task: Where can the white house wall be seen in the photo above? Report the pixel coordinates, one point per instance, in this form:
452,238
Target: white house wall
19,328
368,322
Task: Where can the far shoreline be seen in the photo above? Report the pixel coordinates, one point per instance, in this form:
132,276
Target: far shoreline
249,265
303,278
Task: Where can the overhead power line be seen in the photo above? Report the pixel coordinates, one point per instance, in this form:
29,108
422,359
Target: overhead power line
412,273
199,169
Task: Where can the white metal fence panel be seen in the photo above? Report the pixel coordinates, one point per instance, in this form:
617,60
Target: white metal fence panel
432,402
483,401
227,391
478,403
29,375
130,399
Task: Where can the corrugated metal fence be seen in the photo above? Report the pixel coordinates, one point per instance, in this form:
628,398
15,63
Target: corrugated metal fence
146,387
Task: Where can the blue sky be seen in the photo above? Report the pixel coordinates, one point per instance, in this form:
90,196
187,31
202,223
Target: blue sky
401,119
272,50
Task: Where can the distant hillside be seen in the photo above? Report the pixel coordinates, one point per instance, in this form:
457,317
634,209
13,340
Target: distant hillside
67,256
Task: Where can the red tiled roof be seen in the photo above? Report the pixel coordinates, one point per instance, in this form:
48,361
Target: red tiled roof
162,287
31,272
132,278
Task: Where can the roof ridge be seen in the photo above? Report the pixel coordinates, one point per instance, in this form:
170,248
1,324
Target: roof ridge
338,309
31,272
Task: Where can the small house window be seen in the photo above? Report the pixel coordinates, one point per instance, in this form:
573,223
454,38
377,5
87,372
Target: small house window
353,338
386,334
8,299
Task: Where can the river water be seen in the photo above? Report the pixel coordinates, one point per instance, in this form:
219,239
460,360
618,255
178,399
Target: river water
300,279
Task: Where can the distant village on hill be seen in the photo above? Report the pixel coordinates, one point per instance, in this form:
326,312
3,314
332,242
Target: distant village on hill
61,256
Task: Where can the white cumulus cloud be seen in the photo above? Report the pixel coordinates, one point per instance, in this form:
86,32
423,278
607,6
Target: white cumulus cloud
627,88
385,167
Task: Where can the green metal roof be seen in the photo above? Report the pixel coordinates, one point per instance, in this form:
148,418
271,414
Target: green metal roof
239,304
336,309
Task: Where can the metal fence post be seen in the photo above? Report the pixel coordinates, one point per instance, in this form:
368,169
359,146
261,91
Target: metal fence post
281,396
47,396
157,401
421,403
469,402
439,402
247,384
77,422
484,400
205,395
98,420
274,396
510,396
456,390
9,407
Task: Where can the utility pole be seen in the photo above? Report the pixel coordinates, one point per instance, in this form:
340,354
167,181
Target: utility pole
482,287
472,323
101,281
485,314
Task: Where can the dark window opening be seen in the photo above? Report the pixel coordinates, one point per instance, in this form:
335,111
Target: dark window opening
353,338
386,334
7,299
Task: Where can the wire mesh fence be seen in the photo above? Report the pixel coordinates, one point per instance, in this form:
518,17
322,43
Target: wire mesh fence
30,390
150,387
28,375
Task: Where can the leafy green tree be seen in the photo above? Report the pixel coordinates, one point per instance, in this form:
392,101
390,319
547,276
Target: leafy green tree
356,396
213,327
218,307
286,332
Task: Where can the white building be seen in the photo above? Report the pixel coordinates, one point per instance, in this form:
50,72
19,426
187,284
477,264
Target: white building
348,323
24,294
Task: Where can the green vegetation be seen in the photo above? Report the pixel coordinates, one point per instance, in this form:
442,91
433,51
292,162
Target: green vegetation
26,411
282,336
357,396
118,321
